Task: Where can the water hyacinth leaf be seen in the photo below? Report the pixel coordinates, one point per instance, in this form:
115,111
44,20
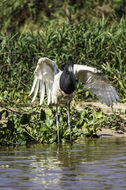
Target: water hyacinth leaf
98,114
49,122
53,139
87,93
44,128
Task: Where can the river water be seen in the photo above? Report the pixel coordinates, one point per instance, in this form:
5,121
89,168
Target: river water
91,164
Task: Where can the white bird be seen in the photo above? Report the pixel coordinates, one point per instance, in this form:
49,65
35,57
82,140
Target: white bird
60,85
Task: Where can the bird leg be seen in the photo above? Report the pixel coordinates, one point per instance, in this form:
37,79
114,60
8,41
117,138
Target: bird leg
57,122
69,122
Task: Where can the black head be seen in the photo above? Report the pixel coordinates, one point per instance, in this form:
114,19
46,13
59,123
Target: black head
67,79
69,67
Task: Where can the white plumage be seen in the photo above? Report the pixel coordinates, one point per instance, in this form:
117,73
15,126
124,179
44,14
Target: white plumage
47,78
44,77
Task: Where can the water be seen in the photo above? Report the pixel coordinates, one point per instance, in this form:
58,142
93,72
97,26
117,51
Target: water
92,164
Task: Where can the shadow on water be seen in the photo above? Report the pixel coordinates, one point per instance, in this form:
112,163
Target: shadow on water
90,164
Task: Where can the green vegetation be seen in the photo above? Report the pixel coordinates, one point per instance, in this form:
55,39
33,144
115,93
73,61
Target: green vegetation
35,15
33,125
92,32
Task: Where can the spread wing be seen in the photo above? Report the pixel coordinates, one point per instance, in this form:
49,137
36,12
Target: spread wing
96,83
44,78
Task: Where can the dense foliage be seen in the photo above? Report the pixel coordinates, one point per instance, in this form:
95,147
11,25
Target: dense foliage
36,14
99,44
91,32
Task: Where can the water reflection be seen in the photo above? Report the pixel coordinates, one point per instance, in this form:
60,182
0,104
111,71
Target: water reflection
98,164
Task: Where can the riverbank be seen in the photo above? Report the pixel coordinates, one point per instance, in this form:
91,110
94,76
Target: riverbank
103,130
119,108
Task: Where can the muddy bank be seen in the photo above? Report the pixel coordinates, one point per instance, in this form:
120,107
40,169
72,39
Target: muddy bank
104,108
117,108
106,132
